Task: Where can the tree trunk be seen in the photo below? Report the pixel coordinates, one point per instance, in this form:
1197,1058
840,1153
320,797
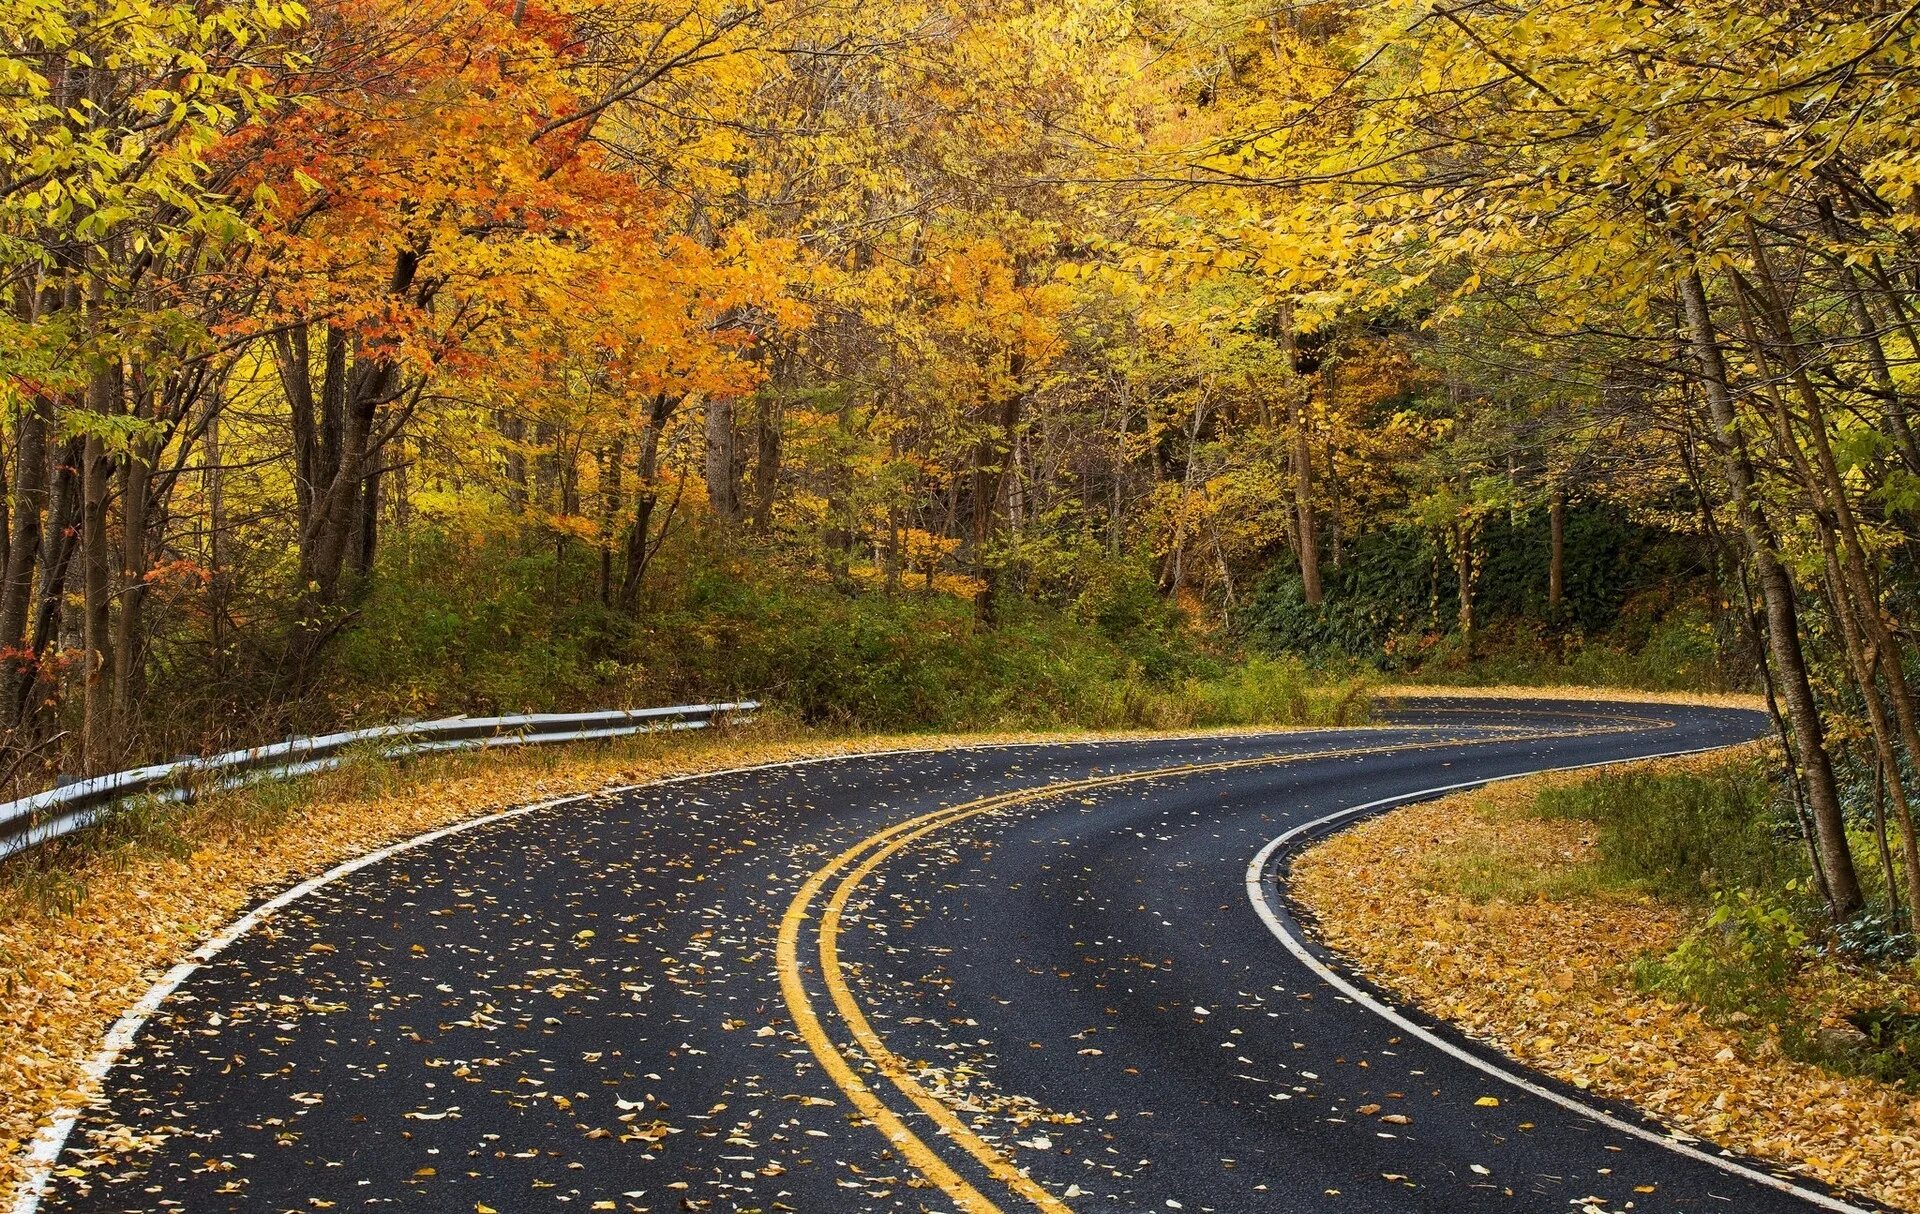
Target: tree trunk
1303,499
360,377
63,525
366,525
985,489
129,646
723,493
1777,595
766,461
216,491
1856,593
611,471
1880,840
1829,513
1893,407
1557,556
23,546
1466,570
990,458
514,431
97,728
640,547
837,540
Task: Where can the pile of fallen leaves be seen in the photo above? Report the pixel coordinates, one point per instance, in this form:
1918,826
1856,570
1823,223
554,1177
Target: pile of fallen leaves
1544,973
67,975
1391,692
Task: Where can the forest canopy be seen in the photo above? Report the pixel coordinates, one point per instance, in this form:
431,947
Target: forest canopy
932,362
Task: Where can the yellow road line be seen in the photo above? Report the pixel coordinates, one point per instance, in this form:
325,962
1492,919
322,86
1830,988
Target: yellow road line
879,847
916,1153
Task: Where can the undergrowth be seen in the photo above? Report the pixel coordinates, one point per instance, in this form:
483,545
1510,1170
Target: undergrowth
476,628
1683,834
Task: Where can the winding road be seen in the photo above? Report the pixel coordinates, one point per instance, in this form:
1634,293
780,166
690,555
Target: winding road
1008,978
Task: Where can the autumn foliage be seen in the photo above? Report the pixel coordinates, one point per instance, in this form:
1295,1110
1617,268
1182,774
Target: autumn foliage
694,348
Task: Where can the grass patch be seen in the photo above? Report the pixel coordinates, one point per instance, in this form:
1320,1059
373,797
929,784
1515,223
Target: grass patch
1484,871
1258,691
1682,833
1678,652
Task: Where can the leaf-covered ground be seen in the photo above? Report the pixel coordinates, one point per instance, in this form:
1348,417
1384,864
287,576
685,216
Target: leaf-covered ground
1479,913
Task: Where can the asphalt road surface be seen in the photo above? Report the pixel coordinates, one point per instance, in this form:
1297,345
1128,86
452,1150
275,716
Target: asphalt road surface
1011,978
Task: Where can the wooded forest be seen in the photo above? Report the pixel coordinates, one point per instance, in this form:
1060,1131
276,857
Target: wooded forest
365,359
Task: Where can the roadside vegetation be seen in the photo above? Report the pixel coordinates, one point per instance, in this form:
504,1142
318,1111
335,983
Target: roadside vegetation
454,626
1725,839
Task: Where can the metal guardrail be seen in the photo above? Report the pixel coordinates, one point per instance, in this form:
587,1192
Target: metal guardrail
35,819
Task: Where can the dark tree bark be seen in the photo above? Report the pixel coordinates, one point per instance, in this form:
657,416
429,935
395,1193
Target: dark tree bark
96,480
23,546
1308,528
991,457
766,461
1466,571
1557,556
1777,597
640,545
720,468
1300,410
130,633
612,469
335,449
63,524
1893,405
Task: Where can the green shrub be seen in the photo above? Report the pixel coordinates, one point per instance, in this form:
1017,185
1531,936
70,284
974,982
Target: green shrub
1739,960
1764,955
1890,1051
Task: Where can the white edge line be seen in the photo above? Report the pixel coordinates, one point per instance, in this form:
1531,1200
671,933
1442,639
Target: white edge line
1257,893
51,1141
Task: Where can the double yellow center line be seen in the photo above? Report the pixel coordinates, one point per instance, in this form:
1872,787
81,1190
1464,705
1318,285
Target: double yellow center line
853,866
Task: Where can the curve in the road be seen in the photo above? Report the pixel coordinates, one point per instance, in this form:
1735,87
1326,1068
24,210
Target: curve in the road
1031,968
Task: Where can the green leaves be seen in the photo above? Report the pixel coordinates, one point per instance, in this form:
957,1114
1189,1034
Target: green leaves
119,433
